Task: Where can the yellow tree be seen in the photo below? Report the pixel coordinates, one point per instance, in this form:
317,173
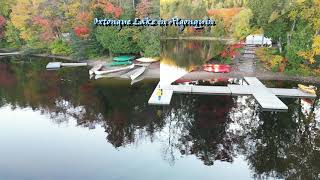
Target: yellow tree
71,9
21,16
310,11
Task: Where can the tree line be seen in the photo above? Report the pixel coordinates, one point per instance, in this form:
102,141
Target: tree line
67,28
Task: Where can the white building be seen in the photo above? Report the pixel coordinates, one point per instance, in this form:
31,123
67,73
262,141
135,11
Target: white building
257,39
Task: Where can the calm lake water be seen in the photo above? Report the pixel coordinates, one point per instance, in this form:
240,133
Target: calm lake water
189,53
178,57
62,125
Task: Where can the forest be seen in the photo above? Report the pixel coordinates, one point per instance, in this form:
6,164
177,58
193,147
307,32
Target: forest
293,26
66,27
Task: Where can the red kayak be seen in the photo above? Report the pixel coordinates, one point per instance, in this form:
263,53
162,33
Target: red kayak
217,68
182,81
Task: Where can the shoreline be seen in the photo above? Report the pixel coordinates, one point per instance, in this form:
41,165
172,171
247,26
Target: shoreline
200,38
202,75
154,72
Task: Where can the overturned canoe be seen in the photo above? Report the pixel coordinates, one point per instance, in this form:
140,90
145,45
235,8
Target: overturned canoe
112,70
123,58
137,72
120,63
137,80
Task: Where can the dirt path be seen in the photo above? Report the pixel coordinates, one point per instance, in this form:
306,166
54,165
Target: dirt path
246,62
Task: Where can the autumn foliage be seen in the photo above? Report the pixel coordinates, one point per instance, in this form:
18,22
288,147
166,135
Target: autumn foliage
311,55
273,62
2,25
81,31
108,7
84,17
225,13
231,51
2,21
143,9
48,27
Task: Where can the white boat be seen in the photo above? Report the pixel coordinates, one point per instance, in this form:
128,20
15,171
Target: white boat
137,72
147,60
114,70
95,68
137,80
101,76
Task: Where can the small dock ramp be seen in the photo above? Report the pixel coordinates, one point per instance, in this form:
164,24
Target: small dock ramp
269,101
264,96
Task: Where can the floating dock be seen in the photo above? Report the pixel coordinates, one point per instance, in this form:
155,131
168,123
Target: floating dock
266,97
57,65
163,100
10,54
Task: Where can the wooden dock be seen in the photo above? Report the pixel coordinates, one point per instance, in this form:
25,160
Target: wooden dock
10,53
57,65
266,97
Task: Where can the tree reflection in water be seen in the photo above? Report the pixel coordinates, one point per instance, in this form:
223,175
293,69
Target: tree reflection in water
275,144
282,145
200,122
189,53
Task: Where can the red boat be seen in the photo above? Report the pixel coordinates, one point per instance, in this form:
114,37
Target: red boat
217,68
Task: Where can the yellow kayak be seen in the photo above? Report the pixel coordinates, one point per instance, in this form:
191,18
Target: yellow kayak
307,89
148,60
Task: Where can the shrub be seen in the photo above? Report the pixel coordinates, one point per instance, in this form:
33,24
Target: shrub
85,48
119,42
35,45
149,41
59,47
12,36
275,61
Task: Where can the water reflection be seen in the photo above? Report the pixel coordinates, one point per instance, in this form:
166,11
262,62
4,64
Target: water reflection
178,57
189,53
212,129
169,74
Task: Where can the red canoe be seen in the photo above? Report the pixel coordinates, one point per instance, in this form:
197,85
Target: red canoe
217,68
